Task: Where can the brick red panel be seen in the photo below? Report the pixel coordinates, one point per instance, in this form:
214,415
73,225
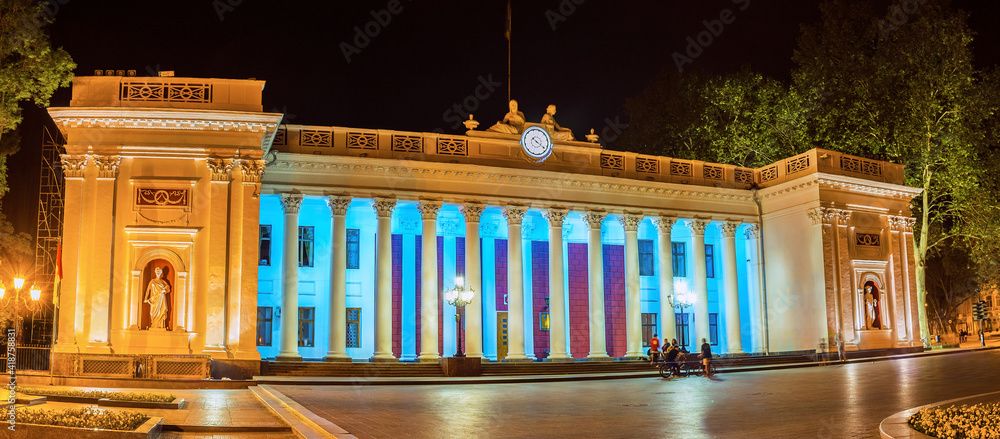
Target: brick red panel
397,295
614,299
540,292
579,307
500,252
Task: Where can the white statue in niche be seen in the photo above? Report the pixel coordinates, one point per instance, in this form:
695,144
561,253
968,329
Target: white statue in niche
871,307
156,297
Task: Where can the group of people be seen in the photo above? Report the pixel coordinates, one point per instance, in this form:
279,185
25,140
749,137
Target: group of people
674,355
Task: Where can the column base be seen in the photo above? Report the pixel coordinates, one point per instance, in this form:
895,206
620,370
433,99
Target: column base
389,359
337,358
516,360
428,359
558,360
599,357
288,357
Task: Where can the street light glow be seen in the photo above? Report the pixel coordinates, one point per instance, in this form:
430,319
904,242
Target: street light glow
18,283
35,293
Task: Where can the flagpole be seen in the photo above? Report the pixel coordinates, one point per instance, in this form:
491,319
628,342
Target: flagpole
508,48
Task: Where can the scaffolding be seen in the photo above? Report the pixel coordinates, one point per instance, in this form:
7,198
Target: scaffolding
49,231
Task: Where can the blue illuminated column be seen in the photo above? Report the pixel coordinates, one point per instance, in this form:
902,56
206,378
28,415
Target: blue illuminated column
558,341
595,265
383,280
733,343
337,350
428,282
668,327
633,304
697,227
473,280
289,348
515,284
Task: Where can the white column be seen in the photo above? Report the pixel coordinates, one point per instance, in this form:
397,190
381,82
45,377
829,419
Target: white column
633,304
515,284
734,343
289,348
428,282
697,227
383,280
337,350
595,264
558,340
473,280
668,323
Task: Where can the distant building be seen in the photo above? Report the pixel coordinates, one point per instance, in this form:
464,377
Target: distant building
337,243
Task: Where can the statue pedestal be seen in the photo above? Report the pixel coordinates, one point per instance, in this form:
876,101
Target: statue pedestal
153,341
874,339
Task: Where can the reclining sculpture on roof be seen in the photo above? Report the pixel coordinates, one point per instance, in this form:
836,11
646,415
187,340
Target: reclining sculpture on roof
549,122
512,123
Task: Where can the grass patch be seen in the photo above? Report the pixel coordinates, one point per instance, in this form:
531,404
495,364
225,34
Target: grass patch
87,417
980,421
117,396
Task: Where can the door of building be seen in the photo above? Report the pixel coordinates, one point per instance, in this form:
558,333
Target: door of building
501,335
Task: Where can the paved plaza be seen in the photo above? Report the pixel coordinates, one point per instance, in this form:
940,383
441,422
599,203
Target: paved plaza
836,401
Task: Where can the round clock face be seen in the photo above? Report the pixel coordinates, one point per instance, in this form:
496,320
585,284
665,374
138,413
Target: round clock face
536,142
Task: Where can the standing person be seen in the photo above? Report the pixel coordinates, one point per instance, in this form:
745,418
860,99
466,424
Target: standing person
654,349
706,356
839,340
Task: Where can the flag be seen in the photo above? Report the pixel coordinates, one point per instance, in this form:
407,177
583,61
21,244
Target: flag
55,285
506,29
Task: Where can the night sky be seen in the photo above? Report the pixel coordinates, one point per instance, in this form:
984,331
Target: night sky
427,57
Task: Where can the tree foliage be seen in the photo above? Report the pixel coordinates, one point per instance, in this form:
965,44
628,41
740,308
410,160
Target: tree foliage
30,69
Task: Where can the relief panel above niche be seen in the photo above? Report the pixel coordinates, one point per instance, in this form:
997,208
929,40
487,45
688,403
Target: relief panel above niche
867,244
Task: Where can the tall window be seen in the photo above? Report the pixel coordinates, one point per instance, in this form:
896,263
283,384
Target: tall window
264,320
307,327
305,246
677,251
645,257
265,245
682,329
648,327
713,328
354,327
710,260
353,248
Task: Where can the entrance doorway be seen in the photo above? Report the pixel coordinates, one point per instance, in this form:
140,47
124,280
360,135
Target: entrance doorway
501,335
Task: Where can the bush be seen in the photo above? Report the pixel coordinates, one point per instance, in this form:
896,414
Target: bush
117,396
980,421
87,417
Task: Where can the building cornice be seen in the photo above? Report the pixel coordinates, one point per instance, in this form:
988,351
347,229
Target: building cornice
164,119
843,183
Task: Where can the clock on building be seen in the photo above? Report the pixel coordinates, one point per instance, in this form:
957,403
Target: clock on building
536,143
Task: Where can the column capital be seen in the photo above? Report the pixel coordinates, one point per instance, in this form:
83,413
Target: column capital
664,223
73,165
555,216
697,226
630,221
829,216
107,165
429,209
221,168
291,203
252,170
383,206
728,228
901,223
472,211
338,204
752,231
514,213
594,218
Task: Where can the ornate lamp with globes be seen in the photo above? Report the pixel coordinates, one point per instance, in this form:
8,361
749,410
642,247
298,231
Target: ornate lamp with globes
459,296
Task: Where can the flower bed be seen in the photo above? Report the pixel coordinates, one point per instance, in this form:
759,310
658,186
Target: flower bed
99,394
959,422
87,417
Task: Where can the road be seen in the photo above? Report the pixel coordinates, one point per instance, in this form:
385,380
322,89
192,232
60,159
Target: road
836,401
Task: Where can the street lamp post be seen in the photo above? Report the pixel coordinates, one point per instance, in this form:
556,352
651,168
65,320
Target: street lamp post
16,320
459,297
684,298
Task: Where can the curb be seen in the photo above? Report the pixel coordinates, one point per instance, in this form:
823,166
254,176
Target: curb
304,423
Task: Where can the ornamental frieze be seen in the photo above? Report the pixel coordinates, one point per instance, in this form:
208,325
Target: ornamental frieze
162,198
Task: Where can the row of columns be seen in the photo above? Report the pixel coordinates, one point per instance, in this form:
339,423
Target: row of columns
514,214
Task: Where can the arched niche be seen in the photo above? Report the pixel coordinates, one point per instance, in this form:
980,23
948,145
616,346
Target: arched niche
177,277
878,303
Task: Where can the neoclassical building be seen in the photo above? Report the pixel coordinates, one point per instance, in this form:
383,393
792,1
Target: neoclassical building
323,242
